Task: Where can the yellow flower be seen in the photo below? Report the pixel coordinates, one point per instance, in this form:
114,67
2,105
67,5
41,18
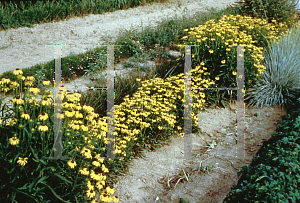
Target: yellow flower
46,102
217,78
30,78
233,73
228,49
110,190
84,128
43,116
96,163
14,141
115,199
84,171
77,94
46,82
75,126
25,116
211,51
5,80
90,193
34,90
72,163
22,161
43,128
250,81
18,101
12,121
223,61
17,72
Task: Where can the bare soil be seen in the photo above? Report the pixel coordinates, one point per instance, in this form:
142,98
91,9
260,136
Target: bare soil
160,177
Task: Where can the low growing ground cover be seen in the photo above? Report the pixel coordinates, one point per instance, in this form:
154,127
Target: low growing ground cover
151,113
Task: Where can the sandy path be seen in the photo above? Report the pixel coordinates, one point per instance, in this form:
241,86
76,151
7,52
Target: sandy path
25,47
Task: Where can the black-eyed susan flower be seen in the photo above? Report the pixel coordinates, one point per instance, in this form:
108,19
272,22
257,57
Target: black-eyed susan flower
217,78
34,90
104,197
86,152
95,175
115,199
30,78
99,185
43,116
14,141
75,126
43,128
46,102
68,104
211,51
69,113
18,101
90,185
0,121
223,61
5,89
22,161
14,85
104,168
110,190
72,163
84,171
100,158
28,83
46,82
5,80
233,73
96,163
11,122
17,72
90,193
84,128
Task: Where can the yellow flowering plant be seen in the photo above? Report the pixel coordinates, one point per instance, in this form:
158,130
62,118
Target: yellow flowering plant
215,58
28,138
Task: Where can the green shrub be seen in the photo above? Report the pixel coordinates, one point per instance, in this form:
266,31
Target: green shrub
28,138
279,10
214,58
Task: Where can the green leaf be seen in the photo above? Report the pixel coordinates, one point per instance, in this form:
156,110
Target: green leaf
63,178
54,193
42,179
24,187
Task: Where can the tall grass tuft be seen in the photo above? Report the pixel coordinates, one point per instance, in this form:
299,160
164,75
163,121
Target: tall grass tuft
280,81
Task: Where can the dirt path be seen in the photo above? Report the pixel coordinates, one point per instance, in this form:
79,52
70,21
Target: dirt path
146,181
25,47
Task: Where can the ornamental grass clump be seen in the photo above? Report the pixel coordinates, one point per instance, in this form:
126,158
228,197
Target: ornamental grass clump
215,54
280,81
28,138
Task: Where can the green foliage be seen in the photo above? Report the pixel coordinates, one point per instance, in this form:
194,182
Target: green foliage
273,175
280,10
278,83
